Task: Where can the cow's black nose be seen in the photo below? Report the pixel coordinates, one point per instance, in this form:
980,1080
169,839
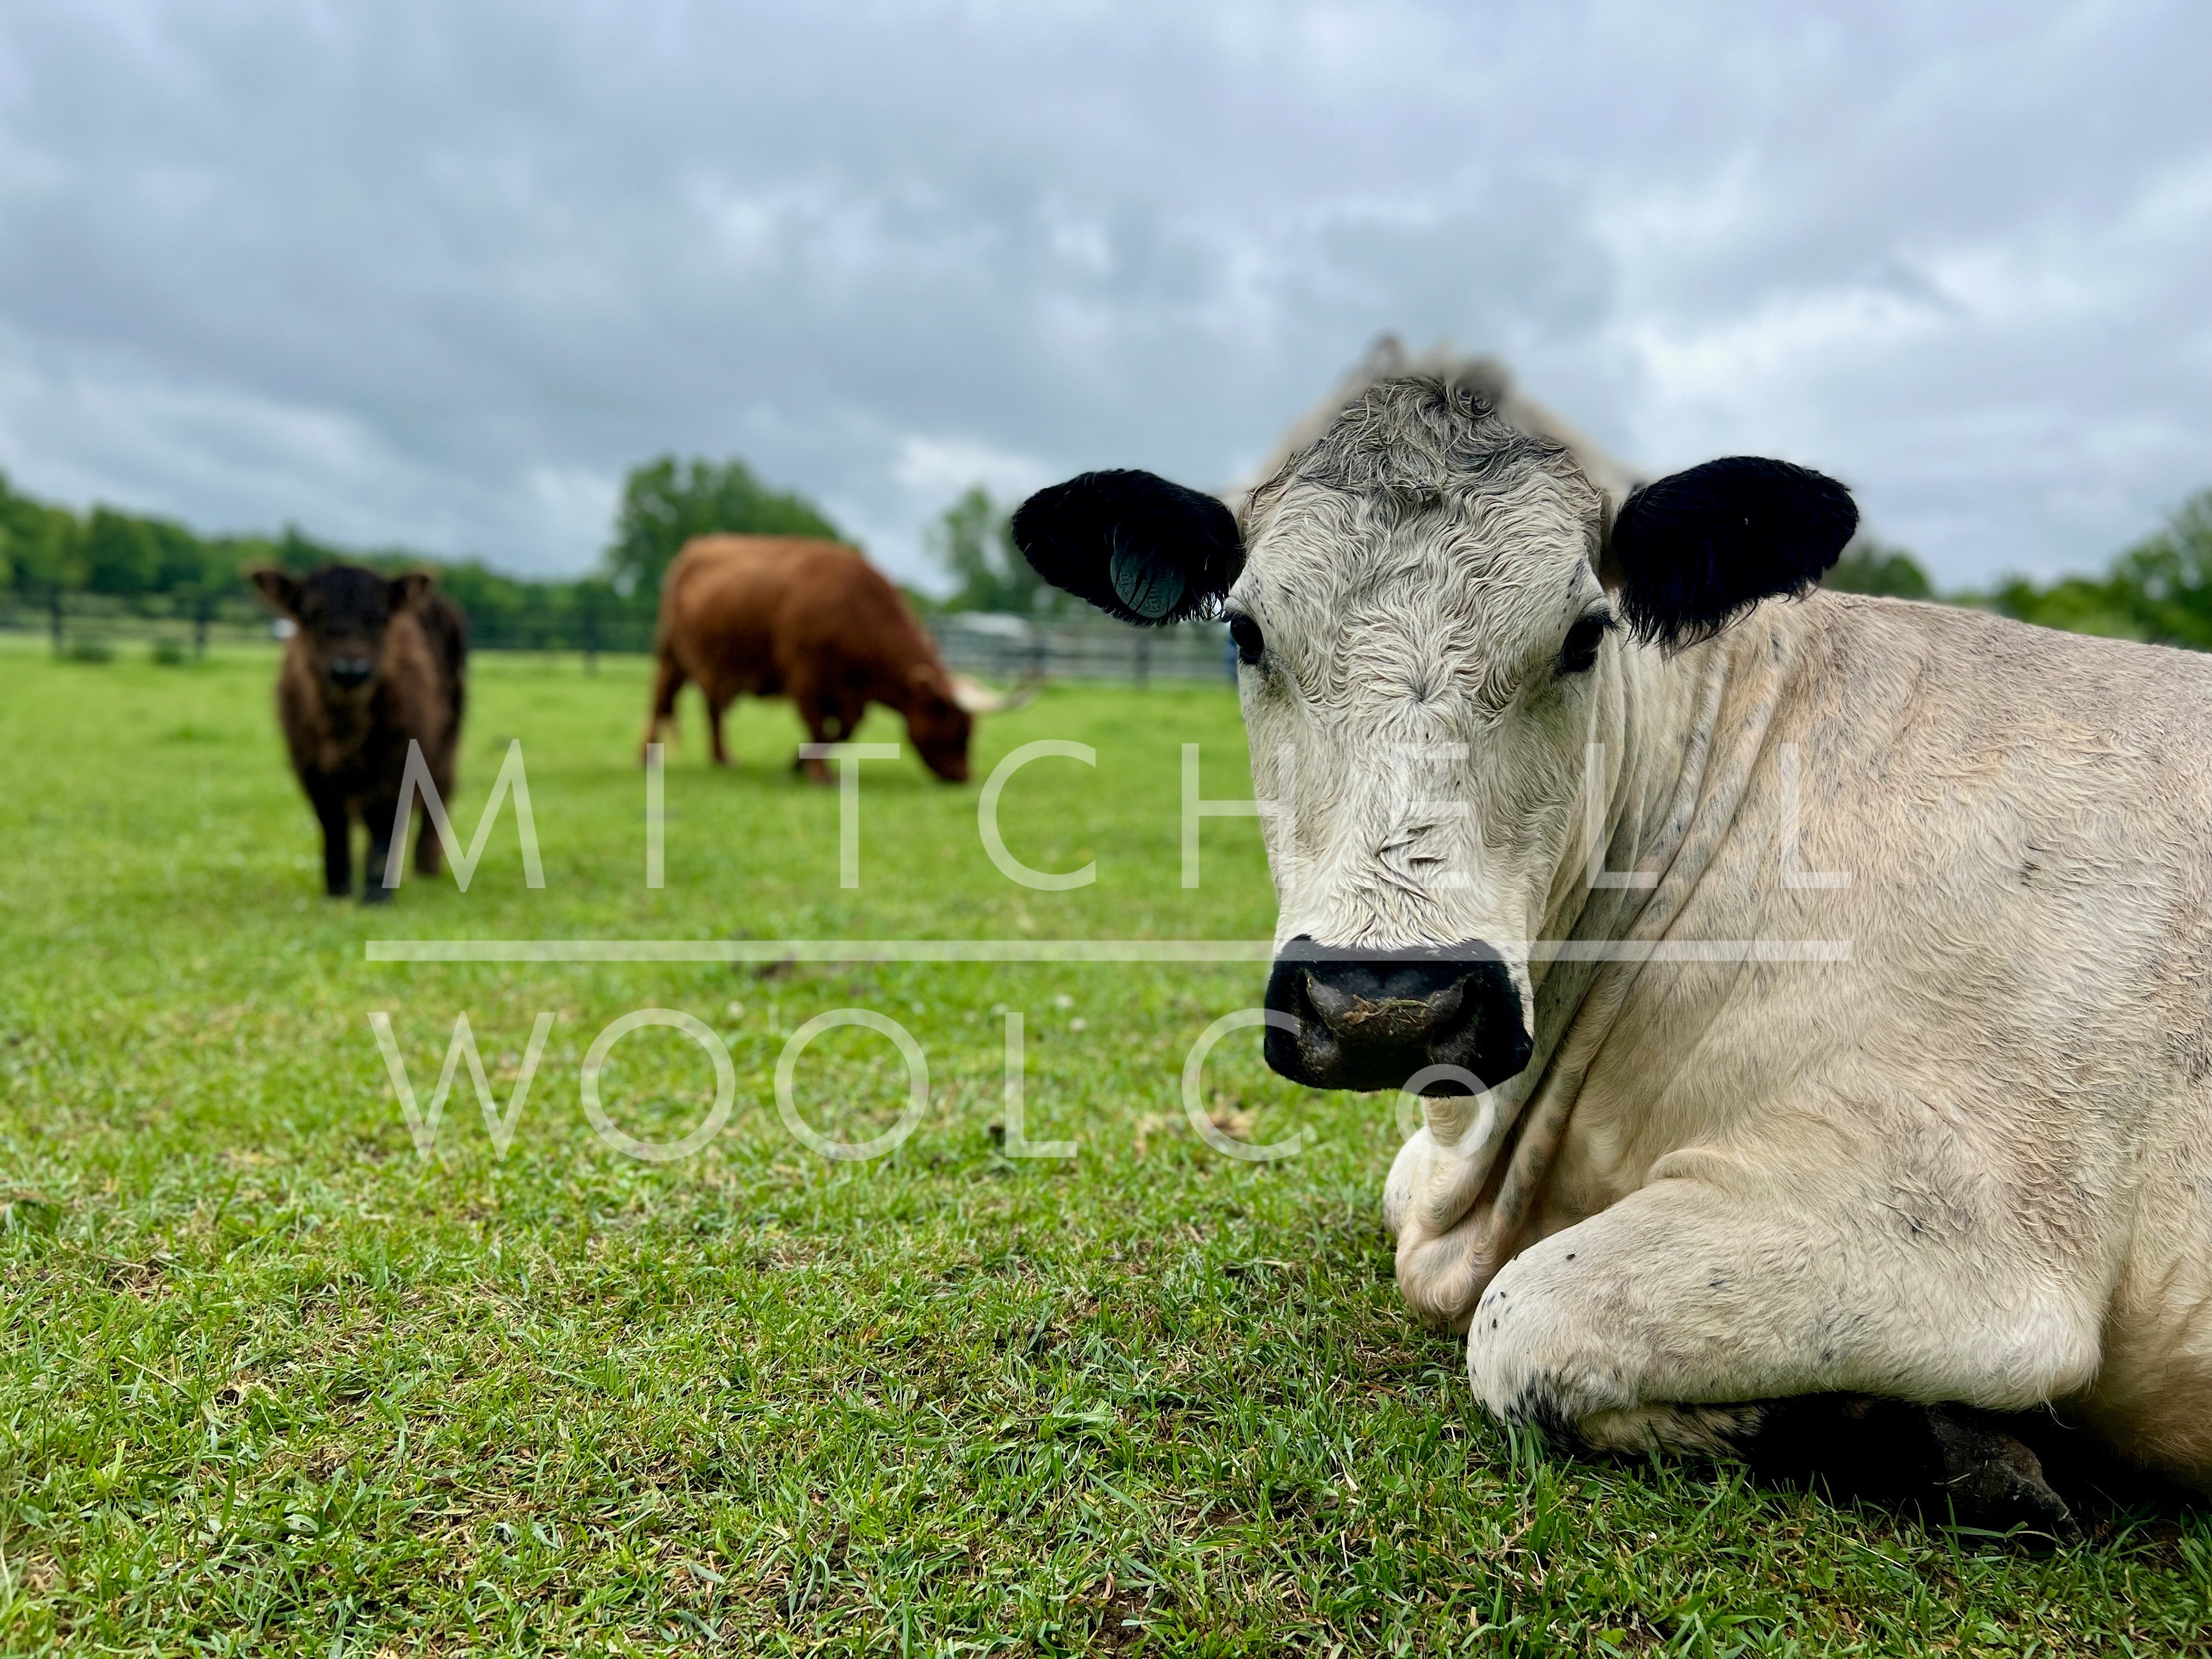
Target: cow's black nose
349,672
1371,1018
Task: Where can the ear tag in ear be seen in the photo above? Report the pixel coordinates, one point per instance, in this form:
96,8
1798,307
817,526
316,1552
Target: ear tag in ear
1148,584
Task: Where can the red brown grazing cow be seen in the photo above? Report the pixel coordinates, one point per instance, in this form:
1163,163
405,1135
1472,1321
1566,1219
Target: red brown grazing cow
375,662
814,621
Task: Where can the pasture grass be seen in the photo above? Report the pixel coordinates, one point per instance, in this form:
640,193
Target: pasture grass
272,1383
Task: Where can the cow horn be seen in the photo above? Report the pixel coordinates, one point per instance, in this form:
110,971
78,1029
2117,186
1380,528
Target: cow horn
977,698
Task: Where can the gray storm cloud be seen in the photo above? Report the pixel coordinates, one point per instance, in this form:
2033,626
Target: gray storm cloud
420,273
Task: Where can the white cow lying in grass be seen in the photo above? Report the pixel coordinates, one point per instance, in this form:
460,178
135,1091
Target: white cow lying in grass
1715,1201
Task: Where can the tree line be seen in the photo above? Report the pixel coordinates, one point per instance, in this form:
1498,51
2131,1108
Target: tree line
156,566
2159,589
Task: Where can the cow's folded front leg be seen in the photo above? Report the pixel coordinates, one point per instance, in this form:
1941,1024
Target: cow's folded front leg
1692,1318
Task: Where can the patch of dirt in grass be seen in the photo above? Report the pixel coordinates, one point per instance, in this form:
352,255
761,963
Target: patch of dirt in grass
1118,1615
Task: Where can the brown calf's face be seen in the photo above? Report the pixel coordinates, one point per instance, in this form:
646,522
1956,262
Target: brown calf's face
939,726
343,613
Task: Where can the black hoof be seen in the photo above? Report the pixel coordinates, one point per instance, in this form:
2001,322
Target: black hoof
376,893
1991,1479
1950,1462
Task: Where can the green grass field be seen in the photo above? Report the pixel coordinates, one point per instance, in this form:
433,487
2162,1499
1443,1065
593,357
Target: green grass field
272,1383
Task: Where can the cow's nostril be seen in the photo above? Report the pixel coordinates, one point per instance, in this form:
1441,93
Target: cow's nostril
1334,1006
1387,1018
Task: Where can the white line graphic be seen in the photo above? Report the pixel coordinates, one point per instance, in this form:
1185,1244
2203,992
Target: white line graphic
1190,950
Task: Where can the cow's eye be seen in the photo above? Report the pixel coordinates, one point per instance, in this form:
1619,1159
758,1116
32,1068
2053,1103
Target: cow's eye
1245,634
1580,651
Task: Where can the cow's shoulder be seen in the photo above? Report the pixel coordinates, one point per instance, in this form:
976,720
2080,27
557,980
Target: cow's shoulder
2076,759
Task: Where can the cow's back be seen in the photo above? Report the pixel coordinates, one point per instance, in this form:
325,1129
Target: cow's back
742,614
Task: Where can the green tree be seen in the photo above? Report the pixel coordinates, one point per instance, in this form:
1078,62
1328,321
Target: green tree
2074,605
120,554
2160,590
229,558
40,546
299,553
180,558
1871,566
2165,581
974,542
21,529
665,504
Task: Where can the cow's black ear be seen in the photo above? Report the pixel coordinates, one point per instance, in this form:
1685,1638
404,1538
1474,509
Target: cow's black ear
1136,546
280,589
1693,551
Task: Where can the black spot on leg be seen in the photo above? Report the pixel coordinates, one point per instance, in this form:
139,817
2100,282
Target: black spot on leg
1539,1407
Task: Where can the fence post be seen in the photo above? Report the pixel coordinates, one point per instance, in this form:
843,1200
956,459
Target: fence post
200,625
1095,650
54,612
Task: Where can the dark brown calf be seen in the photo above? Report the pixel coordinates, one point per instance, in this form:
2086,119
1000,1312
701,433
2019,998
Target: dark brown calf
373,663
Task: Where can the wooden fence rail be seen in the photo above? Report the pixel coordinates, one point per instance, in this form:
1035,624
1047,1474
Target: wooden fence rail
998,648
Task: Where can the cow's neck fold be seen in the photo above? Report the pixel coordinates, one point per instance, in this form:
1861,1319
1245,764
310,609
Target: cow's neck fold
1690,732
1653,734
1681,734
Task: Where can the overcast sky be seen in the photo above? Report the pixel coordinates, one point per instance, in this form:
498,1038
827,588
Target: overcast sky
437,273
